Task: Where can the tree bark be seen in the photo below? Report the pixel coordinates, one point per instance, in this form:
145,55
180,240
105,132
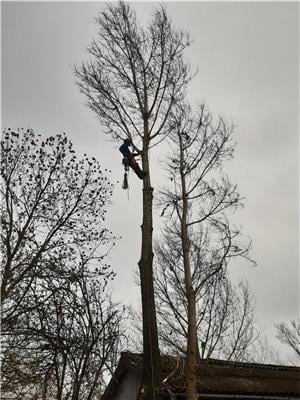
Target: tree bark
151,354
192,343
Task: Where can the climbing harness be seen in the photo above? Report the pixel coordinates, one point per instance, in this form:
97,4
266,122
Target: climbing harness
126,164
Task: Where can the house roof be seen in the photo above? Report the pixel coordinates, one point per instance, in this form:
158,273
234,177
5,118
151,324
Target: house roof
216,377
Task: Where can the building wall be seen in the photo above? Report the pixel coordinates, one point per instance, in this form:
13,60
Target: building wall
130,386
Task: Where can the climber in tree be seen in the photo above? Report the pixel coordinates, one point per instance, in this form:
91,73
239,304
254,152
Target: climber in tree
129,158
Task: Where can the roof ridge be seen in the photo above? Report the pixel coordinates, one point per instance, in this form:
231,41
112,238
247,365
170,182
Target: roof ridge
250,364
215,361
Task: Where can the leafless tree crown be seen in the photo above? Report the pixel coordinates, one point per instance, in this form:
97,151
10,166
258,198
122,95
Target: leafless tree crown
135,73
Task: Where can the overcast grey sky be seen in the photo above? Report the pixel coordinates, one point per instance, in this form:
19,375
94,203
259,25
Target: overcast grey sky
248,59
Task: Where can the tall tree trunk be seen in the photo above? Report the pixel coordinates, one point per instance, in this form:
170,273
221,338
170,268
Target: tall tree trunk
151,355
192,343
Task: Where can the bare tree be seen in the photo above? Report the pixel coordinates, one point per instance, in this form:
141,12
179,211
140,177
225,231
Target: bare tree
261,351
289,334
195,206
56,321
134,79
224,313
52,210
63,349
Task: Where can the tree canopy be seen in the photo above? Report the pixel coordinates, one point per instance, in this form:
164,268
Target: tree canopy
60,327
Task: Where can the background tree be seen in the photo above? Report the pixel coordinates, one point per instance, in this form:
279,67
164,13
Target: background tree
224,313
64,349
132,82
262,352
289,334
51,214
195,206
59,327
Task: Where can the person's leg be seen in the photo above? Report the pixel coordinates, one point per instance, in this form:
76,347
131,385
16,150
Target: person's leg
134,165
138,171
